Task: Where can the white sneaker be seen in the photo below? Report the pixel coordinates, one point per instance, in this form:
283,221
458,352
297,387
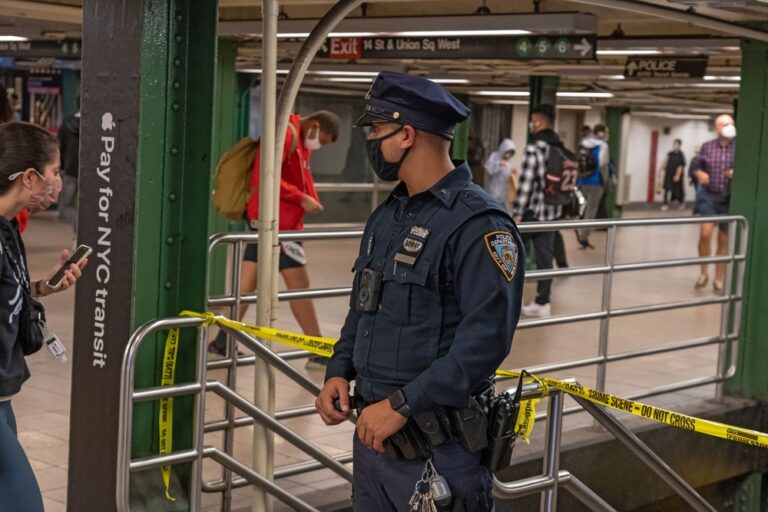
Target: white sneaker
664,208
537,310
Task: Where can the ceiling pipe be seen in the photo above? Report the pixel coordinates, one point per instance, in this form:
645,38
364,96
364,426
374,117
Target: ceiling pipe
678,15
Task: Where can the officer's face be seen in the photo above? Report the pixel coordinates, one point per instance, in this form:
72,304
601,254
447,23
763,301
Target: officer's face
391,147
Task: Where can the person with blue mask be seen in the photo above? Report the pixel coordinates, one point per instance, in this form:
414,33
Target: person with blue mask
435,302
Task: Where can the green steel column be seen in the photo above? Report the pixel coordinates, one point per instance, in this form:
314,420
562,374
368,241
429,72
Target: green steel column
613,117
227,129
460,145
750,190
70,92
147,117
543,89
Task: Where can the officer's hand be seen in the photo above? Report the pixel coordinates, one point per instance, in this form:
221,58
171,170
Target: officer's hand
310,205
377,422
336,388
702,177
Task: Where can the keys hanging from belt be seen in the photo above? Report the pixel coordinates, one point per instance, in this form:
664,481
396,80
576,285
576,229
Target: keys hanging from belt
431,491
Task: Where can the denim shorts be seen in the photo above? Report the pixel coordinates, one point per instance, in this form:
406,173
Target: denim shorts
712,203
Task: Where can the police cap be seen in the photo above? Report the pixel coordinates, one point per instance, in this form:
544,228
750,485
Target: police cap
408,99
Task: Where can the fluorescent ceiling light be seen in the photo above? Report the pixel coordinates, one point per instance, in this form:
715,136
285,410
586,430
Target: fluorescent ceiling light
450,80
258,71
521,94
574,107
369,79
569,94
11,39
611,77
459,33
348,80
629,52
718,86
411,33
343,73
732,78
668,115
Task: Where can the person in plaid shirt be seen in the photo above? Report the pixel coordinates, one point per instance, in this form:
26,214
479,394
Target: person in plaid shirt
530,206
714,175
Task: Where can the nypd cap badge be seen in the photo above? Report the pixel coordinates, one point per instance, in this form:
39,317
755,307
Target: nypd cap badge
504,251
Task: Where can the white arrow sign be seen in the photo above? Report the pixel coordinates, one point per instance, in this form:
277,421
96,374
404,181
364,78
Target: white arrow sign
584,47
631,68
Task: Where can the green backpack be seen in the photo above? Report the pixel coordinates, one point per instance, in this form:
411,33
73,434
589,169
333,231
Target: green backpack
231,190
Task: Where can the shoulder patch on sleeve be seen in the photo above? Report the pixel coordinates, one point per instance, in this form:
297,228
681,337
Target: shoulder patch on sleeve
503,249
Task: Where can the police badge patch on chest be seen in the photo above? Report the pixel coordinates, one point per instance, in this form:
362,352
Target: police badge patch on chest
503,249
413,245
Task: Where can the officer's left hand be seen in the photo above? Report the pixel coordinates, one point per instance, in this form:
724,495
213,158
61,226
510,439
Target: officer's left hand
377,422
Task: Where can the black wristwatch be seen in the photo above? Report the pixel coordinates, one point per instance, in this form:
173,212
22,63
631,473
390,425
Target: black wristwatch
398,403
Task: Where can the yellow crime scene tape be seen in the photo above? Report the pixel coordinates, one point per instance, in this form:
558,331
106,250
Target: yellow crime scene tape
525,420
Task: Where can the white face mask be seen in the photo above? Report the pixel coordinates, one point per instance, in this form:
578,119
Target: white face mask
313,143
728,131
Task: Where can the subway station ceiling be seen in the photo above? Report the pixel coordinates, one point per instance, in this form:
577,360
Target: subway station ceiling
624,29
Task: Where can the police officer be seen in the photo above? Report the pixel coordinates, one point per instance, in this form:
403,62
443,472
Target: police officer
435,301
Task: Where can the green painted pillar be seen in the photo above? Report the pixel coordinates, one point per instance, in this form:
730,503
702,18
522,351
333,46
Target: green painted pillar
146,132
460,144
613,117
750,189
543,89
70,92
231,104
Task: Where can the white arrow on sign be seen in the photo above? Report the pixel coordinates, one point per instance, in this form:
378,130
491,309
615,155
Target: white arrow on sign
631,68
584,47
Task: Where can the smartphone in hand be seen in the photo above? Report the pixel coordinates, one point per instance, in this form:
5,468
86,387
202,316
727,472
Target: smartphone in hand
79,255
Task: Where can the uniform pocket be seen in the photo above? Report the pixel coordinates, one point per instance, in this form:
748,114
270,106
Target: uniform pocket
406,296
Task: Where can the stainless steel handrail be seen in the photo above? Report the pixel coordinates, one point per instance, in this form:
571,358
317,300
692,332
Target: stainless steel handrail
128,396
553,477
610,267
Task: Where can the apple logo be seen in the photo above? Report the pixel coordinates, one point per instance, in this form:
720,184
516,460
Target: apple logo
106,122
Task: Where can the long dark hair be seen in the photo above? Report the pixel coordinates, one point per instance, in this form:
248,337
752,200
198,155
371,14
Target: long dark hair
24,145
6,109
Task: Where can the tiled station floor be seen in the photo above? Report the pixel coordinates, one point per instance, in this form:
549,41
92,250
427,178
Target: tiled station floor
42,408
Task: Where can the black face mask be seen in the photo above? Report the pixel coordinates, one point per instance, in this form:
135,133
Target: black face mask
386,171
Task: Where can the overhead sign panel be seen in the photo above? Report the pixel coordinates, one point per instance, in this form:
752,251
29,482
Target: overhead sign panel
666,67
465,47
69,48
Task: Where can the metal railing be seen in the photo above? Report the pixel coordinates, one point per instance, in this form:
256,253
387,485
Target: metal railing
547,484
730,303
553,477
198,388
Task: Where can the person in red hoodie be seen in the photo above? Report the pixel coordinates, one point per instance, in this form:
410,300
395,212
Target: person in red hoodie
297,198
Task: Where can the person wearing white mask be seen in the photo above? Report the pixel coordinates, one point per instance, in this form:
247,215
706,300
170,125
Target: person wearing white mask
297,198
498,169
714,175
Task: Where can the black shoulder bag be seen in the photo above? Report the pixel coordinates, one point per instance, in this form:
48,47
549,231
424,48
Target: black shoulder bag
32,315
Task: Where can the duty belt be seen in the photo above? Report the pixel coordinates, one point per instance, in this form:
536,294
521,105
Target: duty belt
427,430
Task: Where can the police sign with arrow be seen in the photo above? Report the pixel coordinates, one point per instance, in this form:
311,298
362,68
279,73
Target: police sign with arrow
665,67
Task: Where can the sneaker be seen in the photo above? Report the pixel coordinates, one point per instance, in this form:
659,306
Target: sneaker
317,363
664,208
534,309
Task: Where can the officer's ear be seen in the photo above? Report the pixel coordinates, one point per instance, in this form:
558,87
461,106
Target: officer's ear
409,136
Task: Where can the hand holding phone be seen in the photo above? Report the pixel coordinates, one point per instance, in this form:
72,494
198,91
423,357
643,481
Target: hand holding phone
77,257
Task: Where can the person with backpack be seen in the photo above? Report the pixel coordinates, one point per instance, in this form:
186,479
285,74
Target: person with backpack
297,198
542,194
593,175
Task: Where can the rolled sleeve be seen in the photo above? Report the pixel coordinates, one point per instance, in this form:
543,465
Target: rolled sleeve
489,297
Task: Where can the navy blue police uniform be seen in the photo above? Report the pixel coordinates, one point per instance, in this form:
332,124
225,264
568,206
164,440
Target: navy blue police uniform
450,262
